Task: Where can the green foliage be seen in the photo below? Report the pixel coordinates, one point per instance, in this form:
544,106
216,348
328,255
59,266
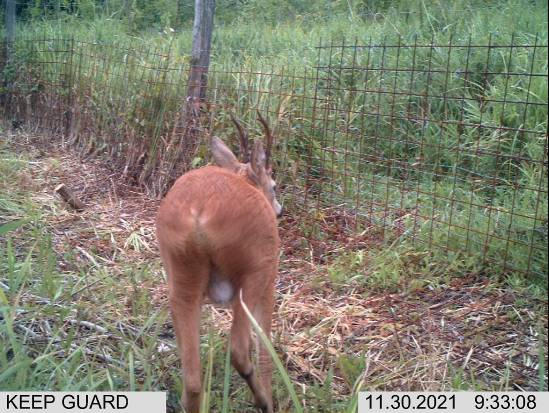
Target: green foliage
395,15
131,101
351,368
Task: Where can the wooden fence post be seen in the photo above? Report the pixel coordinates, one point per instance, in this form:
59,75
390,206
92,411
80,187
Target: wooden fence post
188,128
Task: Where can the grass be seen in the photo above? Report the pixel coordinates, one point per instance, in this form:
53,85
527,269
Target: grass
471,187
83,305
268,40
58,330
78,312
400,217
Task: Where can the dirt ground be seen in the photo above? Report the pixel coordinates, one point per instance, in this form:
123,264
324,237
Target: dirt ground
468,333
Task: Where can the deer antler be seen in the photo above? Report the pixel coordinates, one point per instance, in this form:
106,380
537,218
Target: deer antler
244,151
268,136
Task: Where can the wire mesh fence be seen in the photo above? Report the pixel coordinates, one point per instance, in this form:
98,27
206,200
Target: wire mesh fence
442,146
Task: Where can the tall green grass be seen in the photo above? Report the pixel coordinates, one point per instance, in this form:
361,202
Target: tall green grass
467,189
259,33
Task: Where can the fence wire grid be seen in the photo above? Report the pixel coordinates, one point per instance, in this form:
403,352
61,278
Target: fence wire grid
443,146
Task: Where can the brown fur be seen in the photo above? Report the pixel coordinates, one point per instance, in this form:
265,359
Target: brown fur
217,228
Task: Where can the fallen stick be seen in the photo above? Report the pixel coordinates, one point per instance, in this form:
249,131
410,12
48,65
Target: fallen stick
69,197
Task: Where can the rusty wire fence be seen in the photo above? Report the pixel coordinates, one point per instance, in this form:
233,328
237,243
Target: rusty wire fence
440,146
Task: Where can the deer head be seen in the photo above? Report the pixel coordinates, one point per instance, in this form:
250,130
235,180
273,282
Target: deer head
255,167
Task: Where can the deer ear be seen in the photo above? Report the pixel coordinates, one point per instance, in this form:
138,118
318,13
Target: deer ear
259,159
223,156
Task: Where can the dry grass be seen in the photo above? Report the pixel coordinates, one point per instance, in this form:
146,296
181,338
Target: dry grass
469,333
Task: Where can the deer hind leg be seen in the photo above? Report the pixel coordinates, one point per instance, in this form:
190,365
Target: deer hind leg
186,290
240,344
264,314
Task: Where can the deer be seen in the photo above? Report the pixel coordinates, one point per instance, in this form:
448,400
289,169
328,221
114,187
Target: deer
218,238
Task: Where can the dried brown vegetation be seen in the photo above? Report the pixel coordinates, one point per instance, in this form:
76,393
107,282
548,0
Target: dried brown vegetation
461,332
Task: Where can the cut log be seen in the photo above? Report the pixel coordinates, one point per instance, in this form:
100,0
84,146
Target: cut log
69,197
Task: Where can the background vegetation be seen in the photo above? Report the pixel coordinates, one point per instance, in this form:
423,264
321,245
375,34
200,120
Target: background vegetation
125,83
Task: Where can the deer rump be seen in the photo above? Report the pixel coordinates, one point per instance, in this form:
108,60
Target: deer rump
215,224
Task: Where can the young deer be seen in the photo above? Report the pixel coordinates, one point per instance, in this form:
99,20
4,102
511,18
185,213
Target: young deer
217,232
